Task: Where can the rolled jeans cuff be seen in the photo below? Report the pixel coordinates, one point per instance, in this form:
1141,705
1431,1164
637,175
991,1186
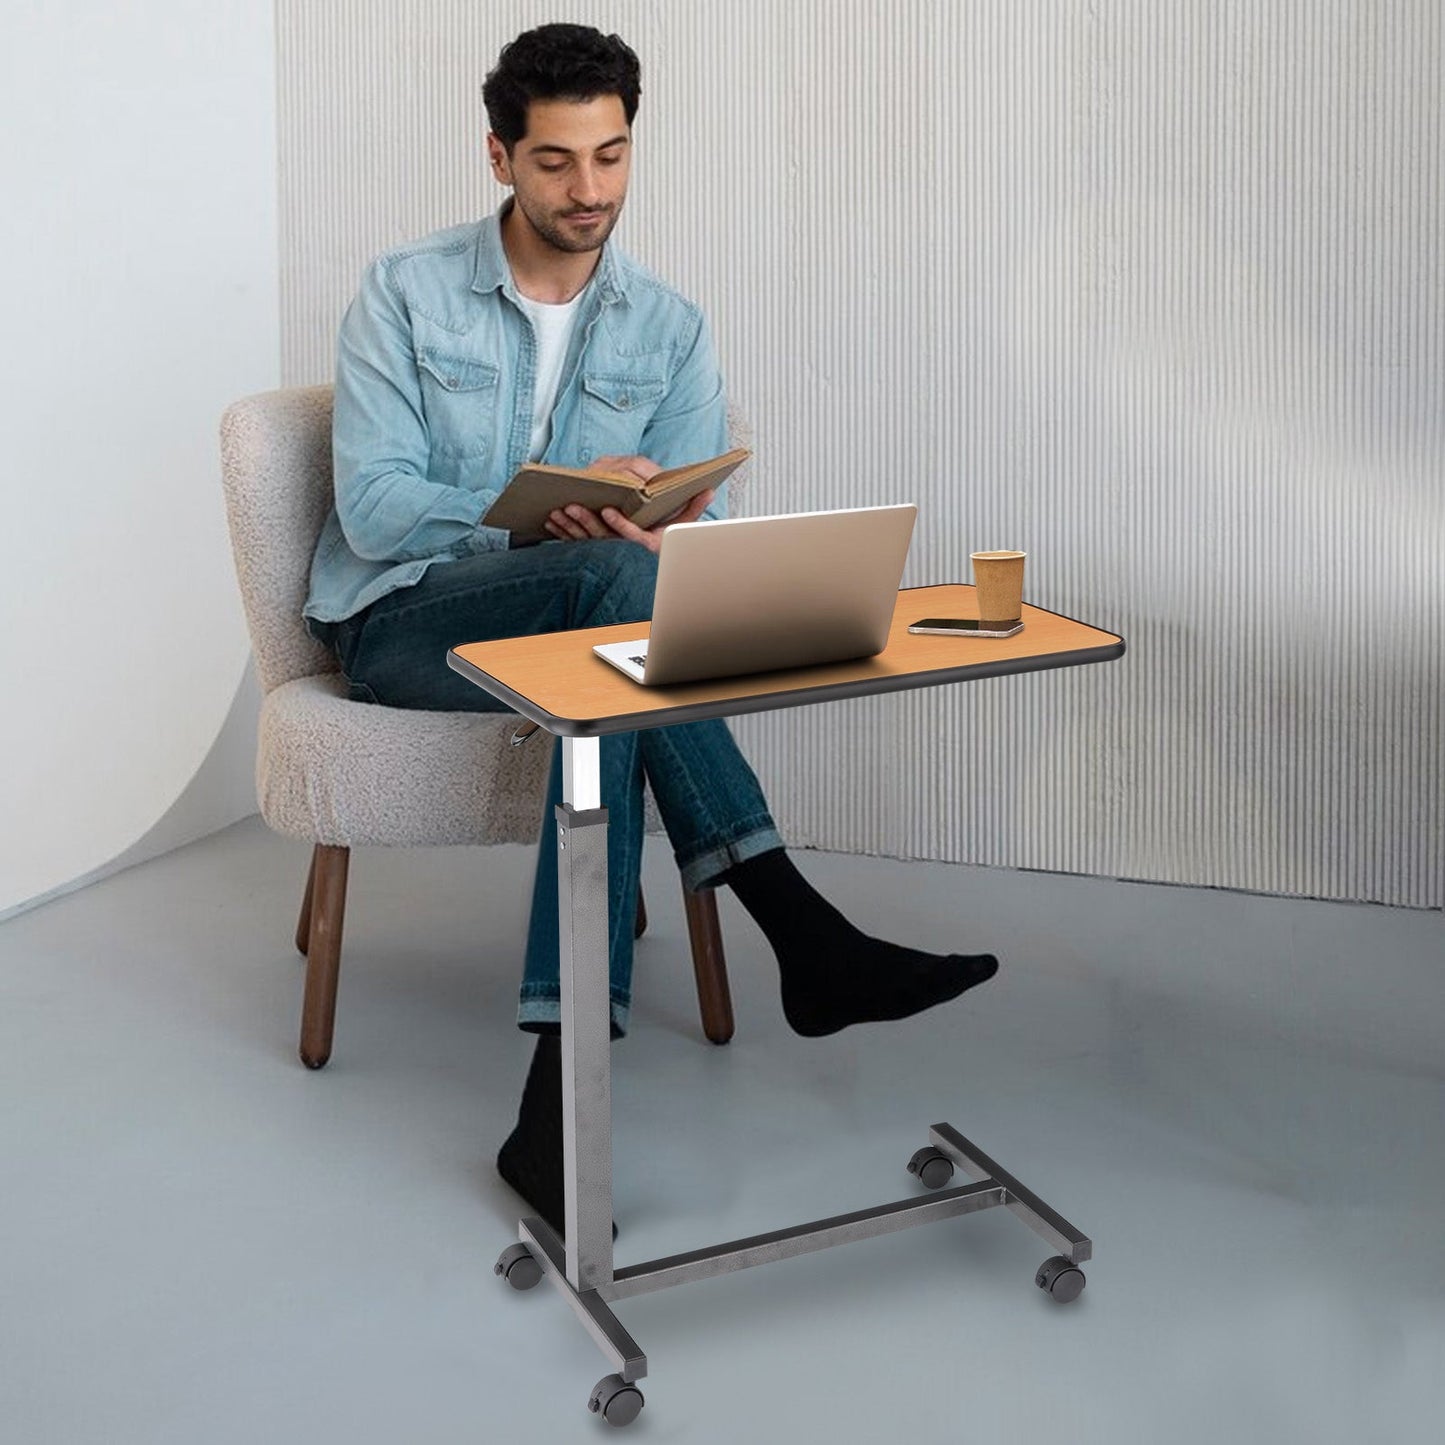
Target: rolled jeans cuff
537,1007
707,868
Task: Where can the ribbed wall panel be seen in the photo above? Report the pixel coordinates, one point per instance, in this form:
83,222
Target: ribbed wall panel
1155,292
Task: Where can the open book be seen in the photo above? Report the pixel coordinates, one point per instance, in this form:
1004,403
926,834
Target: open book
538,490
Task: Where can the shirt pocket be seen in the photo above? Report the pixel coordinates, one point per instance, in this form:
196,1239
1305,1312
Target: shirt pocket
615,412
459,398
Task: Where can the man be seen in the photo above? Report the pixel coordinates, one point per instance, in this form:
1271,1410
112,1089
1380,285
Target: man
530,335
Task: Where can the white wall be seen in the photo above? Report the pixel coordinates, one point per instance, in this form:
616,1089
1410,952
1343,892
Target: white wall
140,262
1154,291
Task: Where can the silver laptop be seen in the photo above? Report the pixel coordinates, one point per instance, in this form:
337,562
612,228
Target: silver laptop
752,594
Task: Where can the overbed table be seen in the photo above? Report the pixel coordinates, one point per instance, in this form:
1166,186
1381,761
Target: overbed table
555,680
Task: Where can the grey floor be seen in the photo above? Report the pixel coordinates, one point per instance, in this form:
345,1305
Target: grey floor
1239,1098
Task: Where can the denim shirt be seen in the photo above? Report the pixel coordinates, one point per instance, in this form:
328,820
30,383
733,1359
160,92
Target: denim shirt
435,368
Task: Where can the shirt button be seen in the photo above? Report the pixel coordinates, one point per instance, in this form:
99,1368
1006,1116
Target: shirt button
623,400
585,455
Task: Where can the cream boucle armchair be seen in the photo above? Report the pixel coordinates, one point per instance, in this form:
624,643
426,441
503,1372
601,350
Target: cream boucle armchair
344,774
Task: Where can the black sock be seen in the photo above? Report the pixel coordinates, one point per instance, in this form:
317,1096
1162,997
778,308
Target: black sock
833,974
553,1029
531,1158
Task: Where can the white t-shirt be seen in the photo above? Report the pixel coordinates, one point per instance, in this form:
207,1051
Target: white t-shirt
553,326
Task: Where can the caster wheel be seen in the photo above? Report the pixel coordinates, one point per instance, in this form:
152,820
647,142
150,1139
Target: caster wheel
1060,1279
615,1400
933,1169
517,1266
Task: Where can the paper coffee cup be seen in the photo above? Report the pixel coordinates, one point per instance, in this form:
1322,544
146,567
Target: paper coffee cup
998,578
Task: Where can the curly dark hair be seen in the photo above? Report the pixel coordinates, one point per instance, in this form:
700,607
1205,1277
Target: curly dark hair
558,62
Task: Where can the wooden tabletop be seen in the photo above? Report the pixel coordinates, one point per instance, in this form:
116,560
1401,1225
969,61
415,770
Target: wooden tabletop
555,679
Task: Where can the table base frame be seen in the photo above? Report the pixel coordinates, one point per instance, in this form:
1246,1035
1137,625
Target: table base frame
992,1187
582,1268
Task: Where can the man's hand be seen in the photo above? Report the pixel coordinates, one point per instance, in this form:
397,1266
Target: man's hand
577,524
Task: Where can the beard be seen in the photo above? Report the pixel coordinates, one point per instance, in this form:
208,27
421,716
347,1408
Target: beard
552,227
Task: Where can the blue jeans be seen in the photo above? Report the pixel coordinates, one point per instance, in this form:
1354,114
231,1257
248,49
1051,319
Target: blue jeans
394,652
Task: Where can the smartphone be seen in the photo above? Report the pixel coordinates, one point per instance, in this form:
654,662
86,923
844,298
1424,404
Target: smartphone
962,627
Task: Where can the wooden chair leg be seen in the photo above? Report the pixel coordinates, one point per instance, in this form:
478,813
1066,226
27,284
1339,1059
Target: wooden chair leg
639,924
714,1001
303,924
327,898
